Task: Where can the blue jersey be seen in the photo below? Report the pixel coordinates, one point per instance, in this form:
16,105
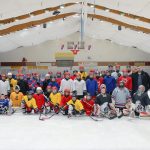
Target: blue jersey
4,103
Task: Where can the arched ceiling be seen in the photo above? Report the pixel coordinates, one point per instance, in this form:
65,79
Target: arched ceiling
21,22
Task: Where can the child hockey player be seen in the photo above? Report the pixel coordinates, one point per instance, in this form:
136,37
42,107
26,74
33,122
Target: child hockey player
5,105
75,106
29,103
48,91
65,98
55,99
40,99
88,104
16,97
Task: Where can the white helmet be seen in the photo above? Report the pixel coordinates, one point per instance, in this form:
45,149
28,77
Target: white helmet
39,89
9,74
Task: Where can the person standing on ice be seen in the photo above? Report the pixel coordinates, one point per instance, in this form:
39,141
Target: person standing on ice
40,99
75,106
46,82
4,85
29,103
79,86
83,73
12,81
122,98
91,85
103,103
110,82
66,83
126,79
53,82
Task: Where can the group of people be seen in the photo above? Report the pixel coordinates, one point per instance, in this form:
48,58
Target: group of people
111,93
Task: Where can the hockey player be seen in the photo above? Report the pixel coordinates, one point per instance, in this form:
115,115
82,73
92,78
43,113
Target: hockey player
88,104
117,73
29,103
110,82
40,99
91,85
53,82
22,84
122,99
73,77
48,91
55,99
103,104
75,106
4,85
16,97
12,81
66,83
126,79
64,99
46,82
83,73
99,80
58,78
79,86
5,105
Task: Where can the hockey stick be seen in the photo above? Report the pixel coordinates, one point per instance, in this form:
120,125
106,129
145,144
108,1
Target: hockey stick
45,117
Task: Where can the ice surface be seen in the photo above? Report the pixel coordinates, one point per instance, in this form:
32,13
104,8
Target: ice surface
23,132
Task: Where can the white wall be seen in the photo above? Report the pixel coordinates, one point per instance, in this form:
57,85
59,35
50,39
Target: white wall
101,51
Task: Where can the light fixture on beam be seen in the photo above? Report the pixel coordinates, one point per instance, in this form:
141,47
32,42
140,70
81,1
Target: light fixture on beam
31,15
92,6
107,10
62,7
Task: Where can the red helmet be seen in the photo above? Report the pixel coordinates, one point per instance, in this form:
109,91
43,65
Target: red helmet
48,87
125,71
50,72
28,75
58,73
81,67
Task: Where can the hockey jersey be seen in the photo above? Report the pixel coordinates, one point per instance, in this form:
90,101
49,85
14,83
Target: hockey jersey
30,103
55,98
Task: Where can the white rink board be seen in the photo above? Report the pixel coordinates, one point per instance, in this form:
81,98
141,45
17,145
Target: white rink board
23,132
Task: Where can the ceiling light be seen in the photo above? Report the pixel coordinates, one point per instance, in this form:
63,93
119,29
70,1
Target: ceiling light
31,15
62,6
16,20
107,10
25,29
91,6
77,2
46,11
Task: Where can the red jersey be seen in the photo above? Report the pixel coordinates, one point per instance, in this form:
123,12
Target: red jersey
88,106
127,81
64,100
40,100
100,81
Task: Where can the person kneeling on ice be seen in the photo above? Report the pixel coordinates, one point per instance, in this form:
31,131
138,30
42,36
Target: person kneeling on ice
139,102
29,103
55,98
75,106
88,104
40,99
5,105
16,97
64,99
122,99
103,104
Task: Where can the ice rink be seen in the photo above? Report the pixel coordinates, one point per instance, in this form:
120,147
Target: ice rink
23,132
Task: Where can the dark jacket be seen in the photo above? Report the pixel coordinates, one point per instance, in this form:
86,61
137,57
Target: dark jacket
23,86
145,81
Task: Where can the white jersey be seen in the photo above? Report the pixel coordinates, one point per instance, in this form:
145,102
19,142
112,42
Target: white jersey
79,86
66,84
4,87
